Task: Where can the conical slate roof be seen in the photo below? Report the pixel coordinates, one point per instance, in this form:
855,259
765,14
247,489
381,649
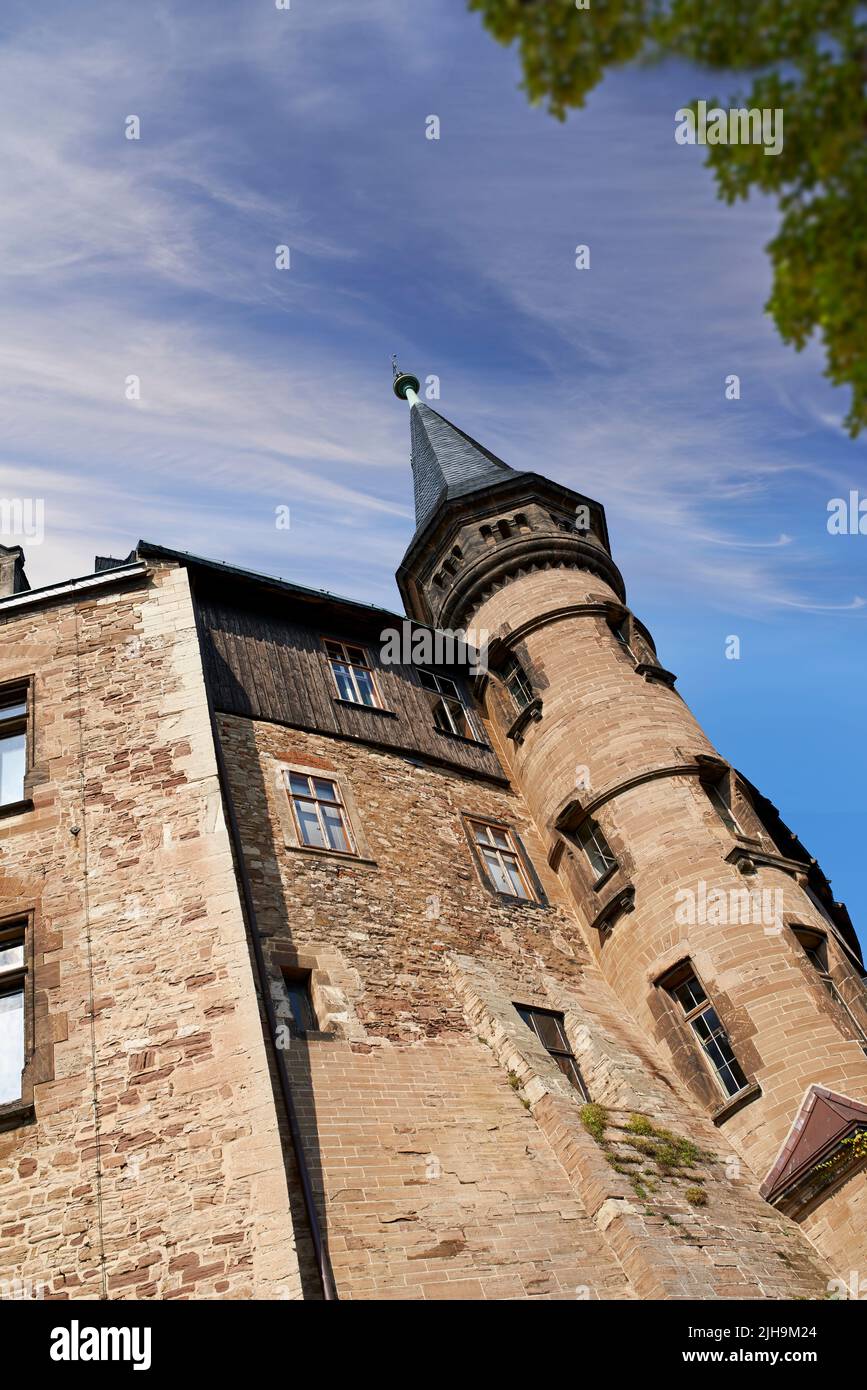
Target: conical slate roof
447,463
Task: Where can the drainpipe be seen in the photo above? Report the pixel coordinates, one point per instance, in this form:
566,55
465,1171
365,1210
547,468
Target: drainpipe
326,1275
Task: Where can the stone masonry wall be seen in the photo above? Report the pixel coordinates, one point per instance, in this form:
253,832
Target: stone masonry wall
449,1153
153,1167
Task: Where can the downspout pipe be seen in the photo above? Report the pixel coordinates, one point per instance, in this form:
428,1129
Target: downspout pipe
326,1275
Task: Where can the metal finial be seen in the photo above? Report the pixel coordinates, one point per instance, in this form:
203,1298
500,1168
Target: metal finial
406,386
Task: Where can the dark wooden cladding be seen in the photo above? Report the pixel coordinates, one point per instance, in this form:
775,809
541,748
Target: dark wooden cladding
272,666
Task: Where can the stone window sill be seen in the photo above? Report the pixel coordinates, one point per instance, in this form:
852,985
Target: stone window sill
530,714
651,672
334,855
619,905
735,1103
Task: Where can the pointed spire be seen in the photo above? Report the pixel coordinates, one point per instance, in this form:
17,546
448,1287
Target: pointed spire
446,462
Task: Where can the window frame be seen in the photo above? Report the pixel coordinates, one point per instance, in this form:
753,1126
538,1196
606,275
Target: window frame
674,980
574,1075
19,979
605,854
352,665
511,674
300,981
446,700
535,894
821,966
18,724
718,791
338,802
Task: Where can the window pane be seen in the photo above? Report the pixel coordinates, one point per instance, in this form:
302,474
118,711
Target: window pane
299,1002
515,881
689,994
324,789
482,834
551,1033
366,690
298,784
334,649
11,955
497,872
334,828
569,1068
499,837
13,710
308,820
443,718
12,769
707,1025
345,688
11,1044
428,680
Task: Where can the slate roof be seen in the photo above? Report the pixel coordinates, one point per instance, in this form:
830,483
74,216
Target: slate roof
447,463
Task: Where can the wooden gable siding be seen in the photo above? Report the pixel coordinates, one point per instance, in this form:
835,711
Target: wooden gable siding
273,667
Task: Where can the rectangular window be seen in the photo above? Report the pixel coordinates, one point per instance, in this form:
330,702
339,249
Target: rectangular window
297,986
713,1038
515,680
450,714
815,947
13,744
549,1028
621,632
596,847
501,859
716,796
353,674
319,813
13,972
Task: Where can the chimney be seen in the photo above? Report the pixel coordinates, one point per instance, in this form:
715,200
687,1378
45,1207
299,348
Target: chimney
13,580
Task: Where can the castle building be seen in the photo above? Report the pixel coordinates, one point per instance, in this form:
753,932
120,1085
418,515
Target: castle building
437,955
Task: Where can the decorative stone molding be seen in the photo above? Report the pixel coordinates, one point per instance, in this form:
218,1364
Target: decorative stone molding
530,714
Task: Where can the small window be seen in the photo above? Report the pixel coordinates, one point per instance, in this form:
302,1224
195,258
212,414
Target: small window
297,986
551,1032
716,794
352,674
514,678
596,847
504,529
320,815
13,972
498,851
686,989
13,744
815,947
622,633
450,714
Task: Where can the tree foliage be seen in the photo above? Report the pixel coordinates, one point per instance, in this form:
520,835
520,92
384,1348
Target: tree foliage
806,57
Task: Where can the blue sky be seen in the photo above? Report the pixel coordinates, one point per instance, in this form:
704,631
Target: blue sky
263,388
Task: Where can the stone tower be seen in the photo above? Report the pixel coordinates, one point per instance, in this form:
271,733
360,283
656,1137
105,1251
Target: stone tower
715,928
